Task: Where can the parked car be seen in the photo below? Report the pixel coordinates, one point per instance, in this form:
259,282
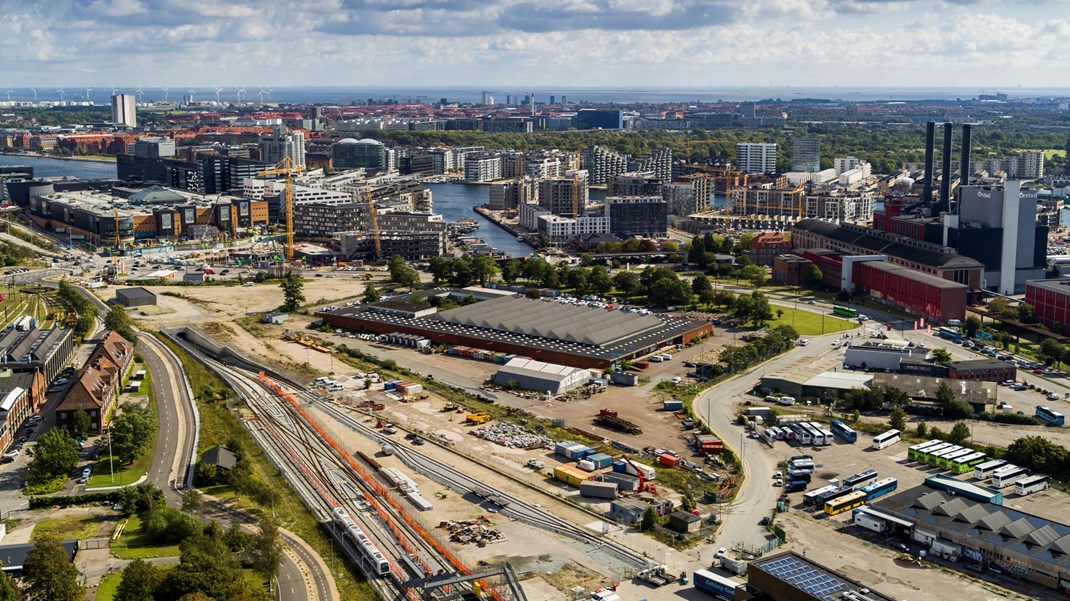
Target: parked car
1053,397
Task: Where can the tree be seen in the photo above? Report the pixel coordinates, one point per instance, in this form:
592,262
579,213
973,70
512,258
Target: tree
1038,453
650,519
9,591
55,454
627,282
812,276
598,280
131,432
959,434
1051,350
1026,313
49,574
971,326
897,419
922,430
510,270
267,553
206,566
951,405
441,269
942,355
754,274
371,293
81,422
395,265
139,583
484,268
700,284
292,292
1000,306
408,277
119,322
192,501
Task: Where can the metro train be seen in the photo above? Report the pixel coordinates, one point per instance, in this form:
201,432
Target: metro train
361,541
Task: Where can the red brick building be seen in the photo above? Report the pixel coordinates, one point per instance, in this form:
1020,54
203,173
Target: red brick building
790,269
767,245
97,385
1051,301
936,298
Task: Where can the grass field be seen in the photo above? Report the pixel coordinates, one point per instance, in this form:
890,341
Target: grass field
133,543
809,324
126,474
1051,153
74,526
108,586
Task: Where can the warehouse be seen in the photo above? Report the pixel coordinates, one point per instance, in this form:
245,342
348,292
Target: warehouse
528,374
134,297
933,297
987,536
883,355
791,577
814,378
577,336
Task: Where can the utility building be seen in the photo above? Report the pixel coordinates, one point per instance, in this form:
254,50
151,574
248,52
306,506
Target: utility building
528,374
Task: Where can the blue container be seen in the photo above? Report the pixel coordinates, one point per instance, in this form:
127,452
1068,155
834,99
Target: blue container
672,405
564,448
391,385
620,467
579,452
600,460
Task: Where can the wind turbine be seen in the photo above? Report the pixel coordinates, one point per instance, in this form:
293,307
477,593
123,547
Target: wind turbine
217,91
241,91
140,94
9,95
269,90
165,88
191,94
87,91
34,95
62,94
261,95
114,90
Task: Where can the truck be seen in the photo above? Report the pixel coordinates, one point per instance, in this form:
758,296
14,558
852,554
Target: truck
759,411
713,584
478,418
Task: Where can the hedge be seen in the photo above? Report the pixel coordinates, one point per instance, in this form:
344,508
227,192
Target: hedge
93,498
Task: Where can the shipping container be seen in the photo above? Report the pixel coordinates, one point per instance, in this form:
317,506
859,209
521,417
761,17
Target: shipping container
672,405
600,490
715,585
627,468
563,448
600,460
624,482
578,452
571,475
668,460
391,385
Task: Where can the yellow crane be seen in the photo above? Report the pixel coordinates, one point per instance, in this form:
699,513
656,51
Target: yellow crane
373,214
287,167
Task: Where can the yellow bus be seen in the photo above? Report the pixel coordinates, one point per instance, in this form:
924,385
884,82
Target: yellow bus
845,503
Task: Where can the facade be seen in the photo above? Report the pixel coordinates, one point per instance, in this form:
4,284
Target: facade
21,394
560,230
840,205
599,119
124,110
633,184
283,143
482,167
935,298
658,163
528,374
1051,301
510,195
46,351
359,154
565,196
806,155
154,147
844,164
767,201
997,226
645,217
767,245
603,165
96,386
756,157
789,269
985,370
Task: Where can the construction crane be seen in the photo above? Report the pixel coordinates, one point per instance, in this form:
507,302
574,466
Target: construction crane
644,485
287,167
373,214
576,184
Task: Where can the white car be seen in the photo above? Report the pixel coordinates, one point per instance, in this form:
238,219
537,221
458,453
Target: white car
803,342
677,379
1053,397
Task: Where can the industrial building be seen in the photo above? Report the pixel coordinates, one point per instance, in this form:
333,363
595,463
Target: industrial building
124,110
1051,301
981,395
47,351
983,535
935,298
528,374
883,355
792,577
547,331
134,297
814,379
790,269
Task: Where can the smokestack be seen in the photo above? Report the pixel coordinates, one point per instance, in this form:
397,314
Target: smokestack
945,177
964,167
930,166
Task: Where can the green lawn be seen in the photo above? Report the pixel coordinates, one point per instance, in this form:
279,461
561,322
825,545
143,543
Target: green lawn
108,586
74,526
127,474
45,488
810,324
133,543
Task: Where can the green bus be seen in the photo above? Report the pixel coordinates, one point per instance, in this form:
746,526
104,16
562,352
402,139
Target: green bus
966,464
844,311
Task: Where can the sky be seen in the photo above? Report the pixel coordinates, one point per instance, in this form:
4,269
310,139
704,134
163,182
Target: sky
645,44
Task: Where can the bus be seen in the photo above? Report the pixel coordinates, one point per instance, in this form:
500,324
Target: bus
801,434
912,452
841,491
817,434
1007,476
843,431
845,503
934,458
826,432
949,334
860,479
844,311
925,455
879,488
883,441
966,464
945,461
1049,416
1032,484
811,497
986,469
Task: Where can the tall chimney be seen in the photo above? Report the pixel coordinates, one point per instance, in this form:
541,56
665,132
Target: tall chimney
964,167
930,166
945,177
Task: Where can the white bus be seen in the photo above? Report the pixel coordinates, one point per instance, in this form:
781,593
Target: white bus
811,497
885,440
802,433
825,435
986,469
1032,484
1005,477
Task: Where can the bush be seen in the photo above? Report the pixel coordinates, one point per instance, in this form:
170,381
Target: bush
93,498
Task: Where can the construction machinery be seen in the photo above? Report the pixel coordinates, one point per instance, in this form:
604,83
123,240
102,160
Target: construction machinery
478,418
643,485
373,217
611,419
287,167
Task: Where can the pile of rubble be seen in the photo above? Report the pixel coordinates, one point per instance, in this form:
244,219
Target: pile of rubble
510,435
471,531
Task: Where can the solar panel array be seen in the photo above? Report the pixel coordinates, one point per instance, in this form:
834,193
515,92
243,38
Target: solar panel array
804,576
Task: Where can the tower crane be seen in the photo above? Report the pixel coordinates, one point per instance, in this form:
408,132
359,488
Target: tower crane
576,184
373,214
287,167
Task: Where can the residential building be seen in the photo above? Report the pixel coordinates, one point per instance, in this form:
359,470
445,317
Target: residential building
21,395
603,165
154,147
510,195
767,245
124,110
559,230
638,216
281,144
806,154
842,164
483,167
658,163
839,204
790,269
96,386
768,201
565,196
367,154
633,183
756,157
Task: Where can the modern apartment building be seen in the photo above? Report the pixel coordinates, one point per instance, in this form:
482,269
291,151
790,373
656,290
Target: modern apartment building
124,110
559,195
282,143
806,154
603,164
367,154
638,216
756,157
483,167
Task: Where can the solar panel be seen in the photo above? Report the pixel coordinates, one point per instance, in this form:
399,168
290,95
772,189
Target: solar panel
806,577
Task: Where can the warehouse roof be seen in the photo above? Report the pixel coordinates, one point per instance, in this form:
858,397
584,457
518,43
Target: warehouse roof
879,242
813,579
840,380
925,387
531,368
136,293
1011,530
580,324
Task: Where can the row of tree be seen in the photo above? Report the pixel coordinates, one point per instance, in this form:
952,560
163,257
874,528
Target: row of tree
758,348
85,309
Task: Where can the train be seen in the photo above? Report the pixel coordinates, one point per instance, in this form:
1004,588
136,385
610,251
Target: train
363,544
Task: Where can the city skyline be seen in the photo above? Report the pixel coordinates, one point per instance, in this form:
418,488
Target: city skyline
670,43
